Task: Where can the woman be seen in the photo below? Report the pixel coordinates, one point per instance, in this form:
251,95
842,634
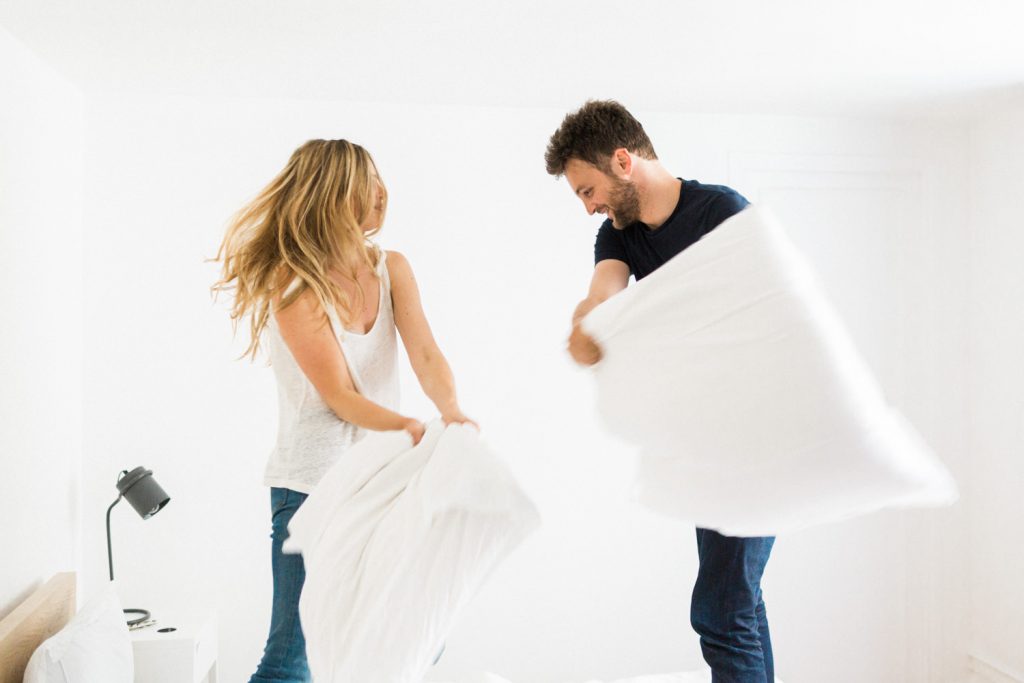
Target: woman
327,302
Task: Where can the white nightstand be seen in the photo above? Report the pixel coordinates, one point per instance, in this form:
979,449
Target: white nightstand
186,654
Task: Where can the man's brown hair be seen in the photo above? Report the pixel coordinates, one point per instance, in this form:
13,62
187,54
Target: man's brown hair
595,131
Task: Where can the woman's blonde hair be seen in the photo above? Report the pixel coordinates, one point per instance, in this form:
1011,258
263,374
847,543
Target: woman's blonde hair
305,225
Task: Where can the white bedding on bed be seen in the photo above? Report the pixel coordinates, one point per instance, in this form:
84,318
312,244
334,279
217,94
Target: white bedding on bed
703,676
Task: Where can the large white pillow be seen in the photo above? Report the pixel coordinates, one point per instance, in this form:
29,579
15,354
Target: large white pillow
753,411
94,646
396,541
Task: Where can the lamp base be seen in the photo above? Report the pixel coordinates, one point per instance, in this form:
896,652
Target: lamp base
143,615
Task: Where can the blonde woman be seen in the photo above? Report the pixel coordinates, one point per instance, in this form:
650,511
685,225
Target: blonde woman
326,302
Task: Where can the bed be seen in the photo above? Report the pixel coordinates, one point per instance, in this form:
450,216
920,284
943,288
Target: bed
40,616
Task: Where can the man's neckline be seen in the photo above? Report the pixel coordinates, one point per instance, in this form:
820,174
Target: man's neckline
675,210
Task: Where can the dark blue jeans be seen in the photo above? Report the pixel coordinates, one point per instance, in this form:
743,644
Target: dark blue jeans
284,656
727,610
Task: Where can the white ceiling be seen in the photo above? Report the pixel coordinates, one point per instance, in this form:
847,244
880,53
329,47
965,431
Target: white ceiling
811,56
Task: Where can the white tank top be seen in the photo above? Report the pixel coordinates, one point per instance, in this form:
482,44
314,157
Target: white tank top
310,436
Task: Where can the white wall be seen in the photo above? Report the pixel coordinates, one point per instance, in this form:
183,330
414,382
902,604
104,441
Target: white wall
997,402
41,310
603,589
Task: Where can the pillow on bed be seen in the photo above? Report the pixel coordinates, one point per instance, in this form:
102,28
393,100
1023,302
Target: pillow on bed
93,646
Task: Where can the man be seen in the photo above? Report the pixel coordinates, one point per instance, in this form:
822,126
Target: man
611,166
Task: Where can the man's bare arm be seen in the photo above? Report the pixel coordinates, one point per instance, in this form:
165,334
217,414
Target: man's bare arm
610,277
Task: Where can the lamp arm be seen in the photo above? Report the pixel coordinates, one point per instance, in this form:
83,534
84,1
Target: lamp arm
110,556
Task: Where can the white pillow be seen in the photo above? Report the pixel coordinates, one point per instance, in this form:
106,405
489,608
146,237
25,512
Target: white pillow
396,540
94,646
753,411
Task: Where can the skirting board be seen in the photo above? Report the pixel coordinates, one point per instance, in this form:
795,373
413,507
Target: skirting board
983,671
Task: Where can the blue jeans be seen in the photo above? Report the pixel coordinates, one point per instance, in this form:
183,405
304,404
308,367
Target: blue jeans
727,610
284,656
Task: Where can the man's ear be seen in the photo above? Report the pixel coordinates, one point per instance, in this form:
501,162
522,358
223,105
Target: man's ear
622,162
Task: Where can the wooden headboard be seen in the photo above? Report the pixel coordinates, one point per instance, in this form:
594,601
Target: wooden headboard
44,613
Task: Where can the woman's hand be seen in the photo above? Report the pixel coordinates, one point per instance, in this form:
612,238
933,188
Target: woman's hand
415,429
455,415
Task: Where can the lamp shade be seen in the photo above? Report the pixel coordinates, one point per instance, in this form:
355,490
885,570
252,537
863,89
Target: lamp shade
140,489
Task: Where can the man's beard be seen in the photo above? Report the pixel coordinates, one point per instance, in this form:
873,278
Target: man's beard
624,201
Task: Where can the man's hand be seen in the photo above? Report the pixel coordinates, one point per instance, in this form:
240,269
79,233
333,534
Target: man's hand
582,347
610,277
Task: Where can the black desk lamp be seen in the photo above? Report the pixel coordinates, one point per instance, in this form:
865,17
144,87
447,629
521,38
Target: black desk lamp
146,496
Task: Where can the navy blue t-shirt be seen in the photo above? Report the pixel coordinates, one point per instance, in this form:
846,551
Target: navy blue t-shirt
699,211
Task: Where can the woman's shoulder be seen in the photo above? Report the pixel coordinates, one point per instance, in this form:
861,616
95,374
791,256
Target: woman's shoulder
396,261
